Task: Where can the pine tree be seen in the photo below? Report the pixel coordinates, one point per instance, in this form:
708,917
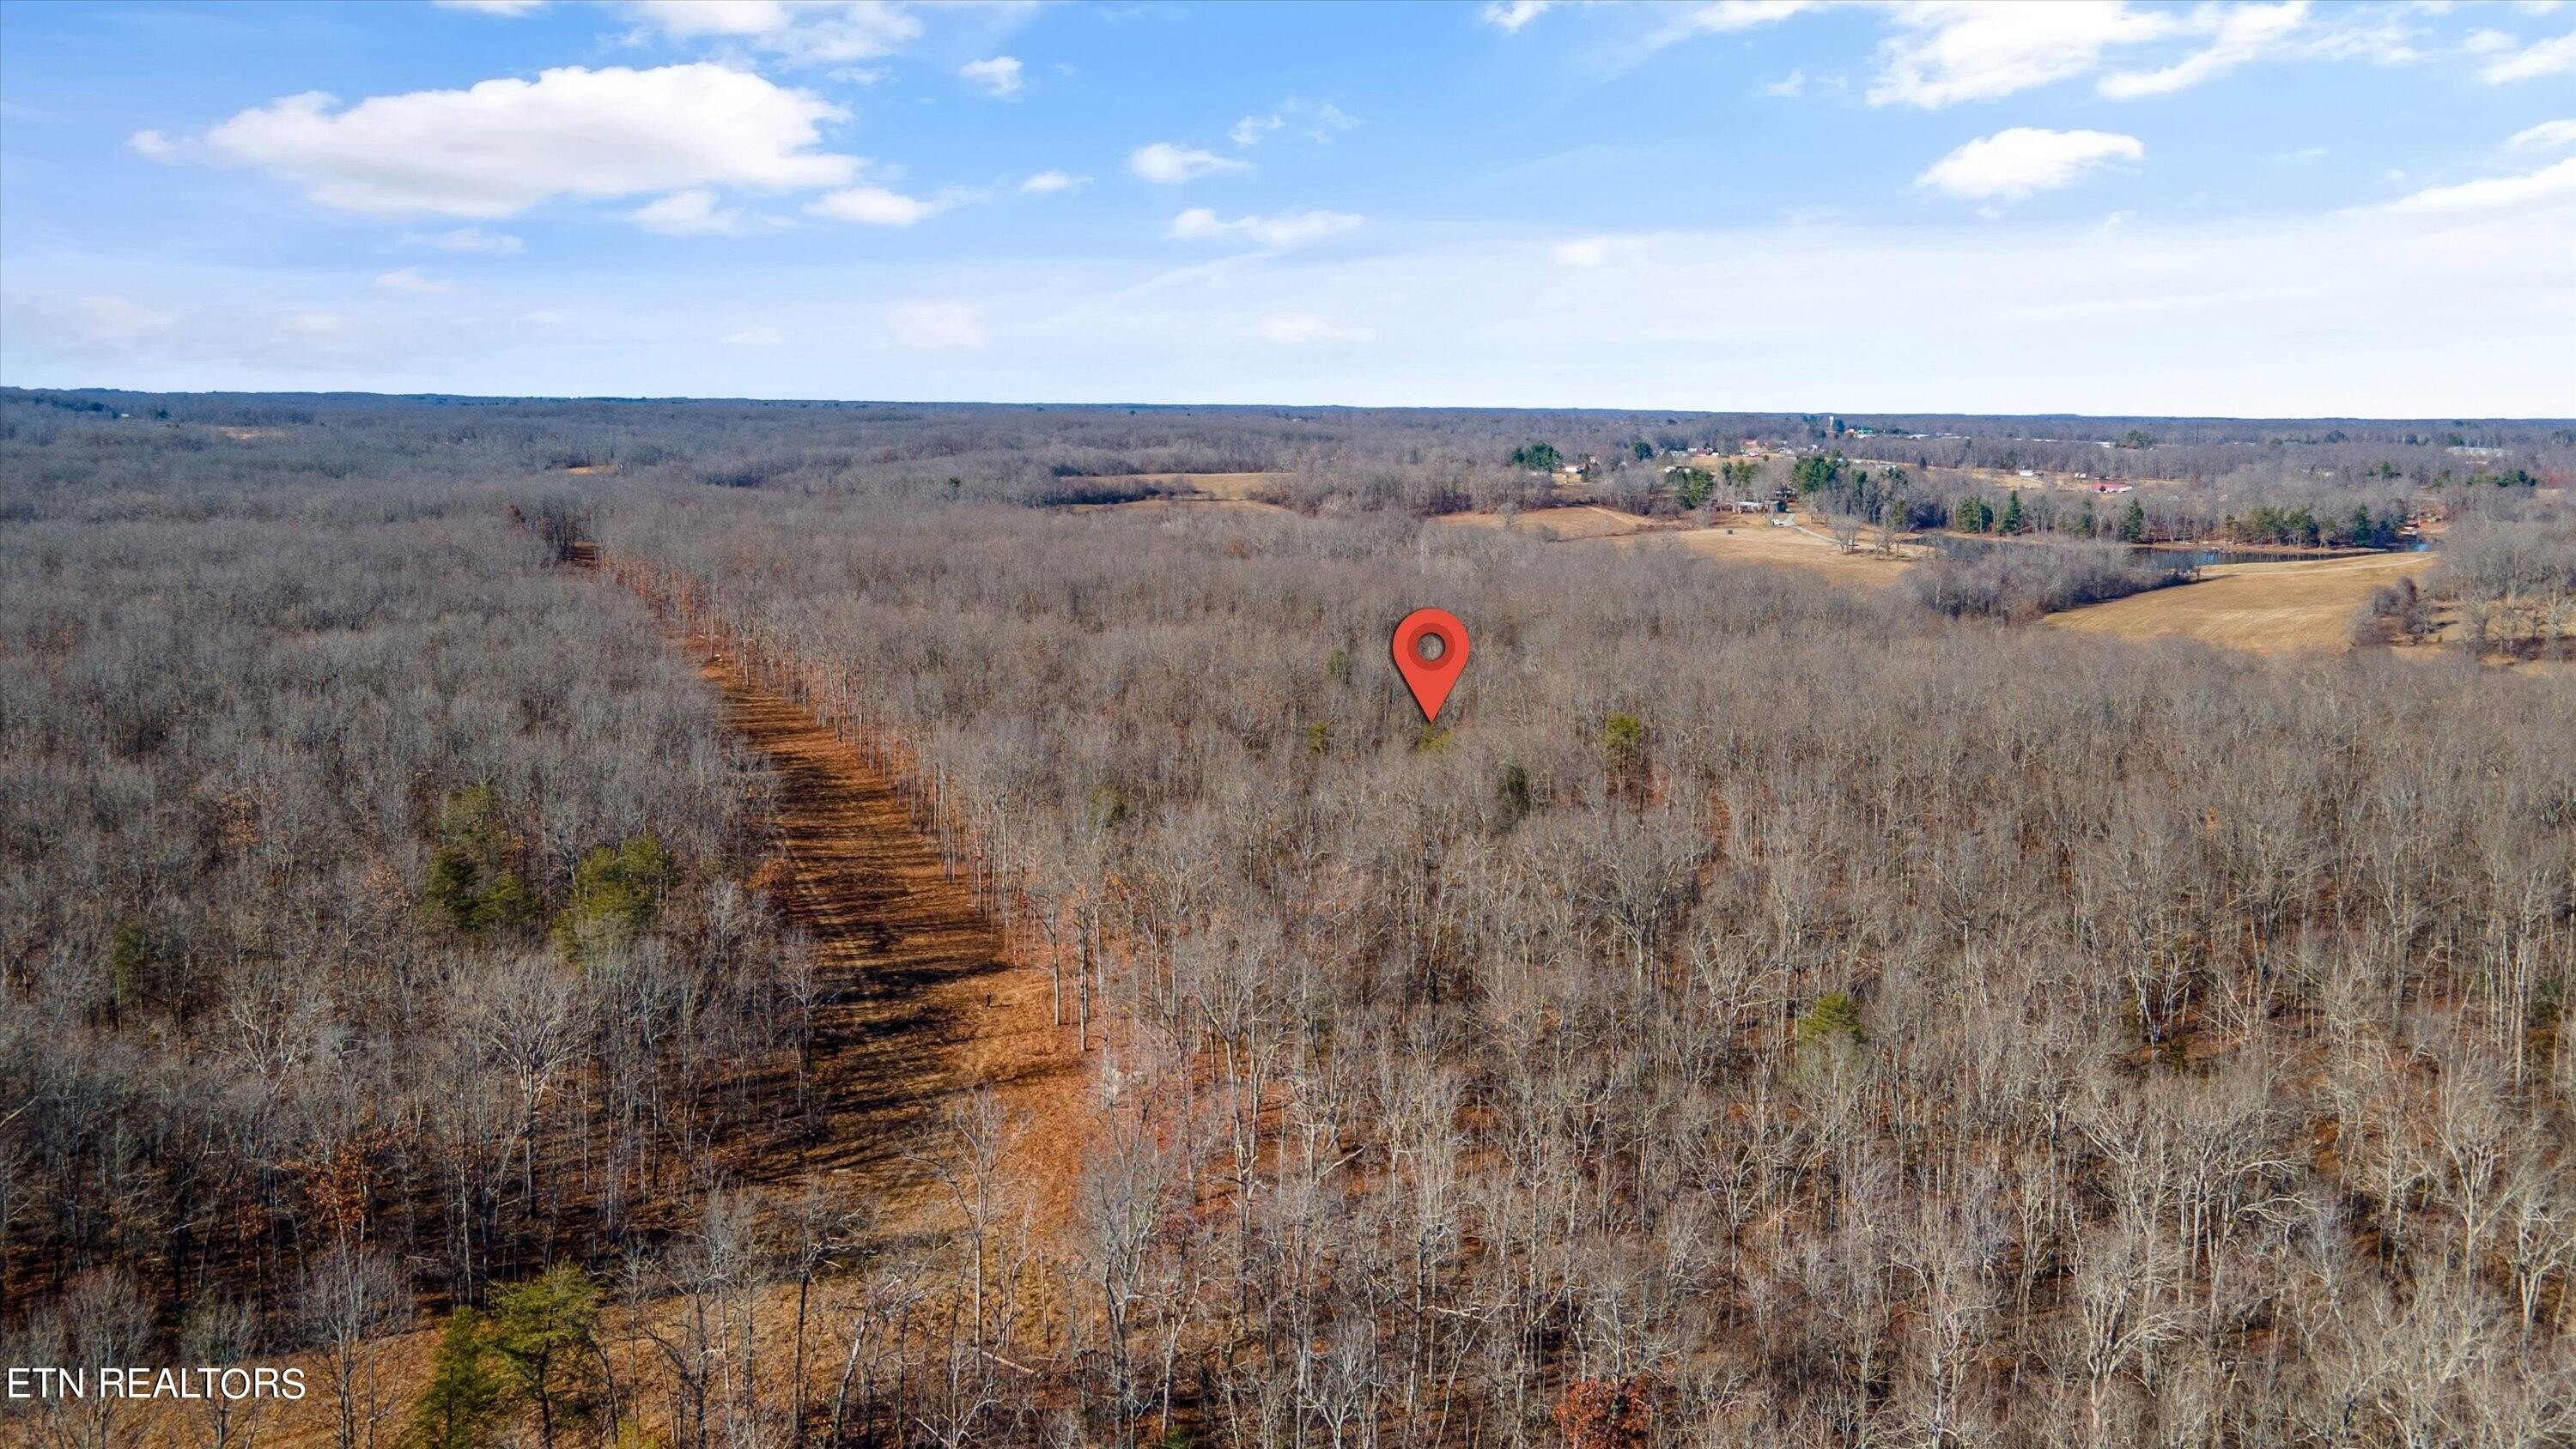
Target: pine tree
2133,525
541,1329
463,1403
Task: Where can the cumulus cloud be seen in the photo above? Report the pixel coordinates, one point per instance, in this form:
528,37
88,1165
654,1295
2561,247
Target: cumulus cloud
510,9
152,146
820,31
1511,15
936,327
2542,57
500,147
471,239
1165,164
1590,251
694,213
999,76
1287,229
1048,182
2550,184
410,279
873,206
755,337
2010,165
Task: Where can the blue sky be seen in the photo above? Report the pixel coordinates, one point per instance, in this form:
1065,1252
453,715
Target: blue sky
2112,208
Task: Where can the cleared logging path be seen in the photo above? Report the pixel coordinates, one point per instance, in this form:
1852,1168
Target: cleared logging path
915,1004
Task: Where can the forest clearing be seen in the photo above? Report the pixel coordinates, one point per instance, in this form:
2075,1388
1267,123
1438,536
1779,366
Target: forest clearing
2267,608
920,1004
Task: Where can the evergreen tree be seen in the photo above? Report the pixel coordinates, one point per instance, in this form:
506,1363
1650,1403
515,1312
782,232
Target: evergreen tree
463,1403
541,1331
2133,524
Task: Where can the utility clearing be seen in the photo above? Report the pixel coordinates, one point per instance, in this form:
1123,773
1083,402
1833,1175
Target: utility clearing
916,1007
2267,608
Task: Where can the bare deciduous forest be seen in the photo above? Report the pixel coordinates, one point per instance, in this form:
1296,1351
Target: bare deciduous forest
1758,1011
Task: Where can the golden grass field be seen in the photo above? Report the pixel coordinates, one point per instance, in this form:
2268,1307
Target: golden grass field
1582,520
2268,608
1758,541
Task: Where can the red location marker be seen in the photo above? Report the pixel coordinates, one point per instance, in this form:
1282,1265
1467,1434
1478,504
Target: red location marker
1430,652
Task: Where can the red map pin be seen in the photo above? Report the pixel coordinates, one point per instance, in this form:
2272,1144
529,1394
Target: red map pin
1430,652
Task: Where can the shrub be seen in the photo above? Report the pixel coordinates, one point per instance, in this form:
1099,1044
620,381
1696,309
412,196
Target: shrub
471,885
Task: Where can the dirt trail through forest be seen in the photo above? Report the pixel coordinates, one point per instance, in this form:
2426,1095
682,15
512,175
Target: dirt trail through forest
916,1003
917,1006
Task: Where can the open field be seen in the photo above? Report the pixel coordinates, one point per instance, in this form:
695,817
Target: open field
1208,485
1152,506
1577,521
1756,539
2265,607
1759,541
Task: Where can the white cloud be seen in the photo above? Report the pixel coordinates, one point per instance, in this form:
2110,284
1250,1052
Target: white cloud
99,320
1788,85
2240,35
1659,27
1721,16
1049,182
152,146
873,206
1590,251
290,341
2543,57
510,9
503,146
2010,165
2547,185
818,31
410,279
694,213
1511,15
755,337
1165,164
2180,312
1948,51
1287,229
936,327
1298,329
999,76
471,239
1316,121
2547,136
